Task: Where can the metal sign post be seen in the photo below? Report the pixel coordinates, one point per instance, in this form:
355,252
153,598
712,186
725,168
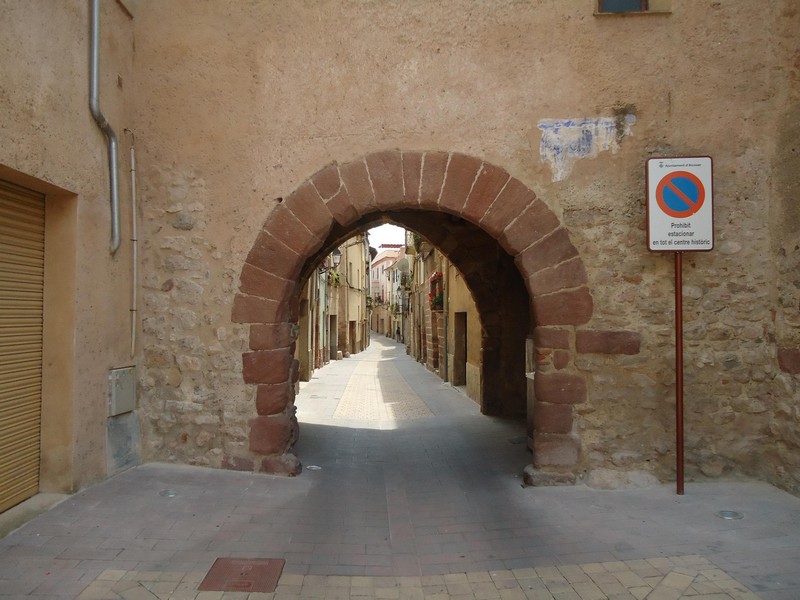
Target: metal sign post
680,218
679,370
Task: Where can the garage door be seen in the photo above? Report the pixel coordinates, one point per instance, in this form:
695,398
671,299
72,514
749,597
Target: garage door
21,309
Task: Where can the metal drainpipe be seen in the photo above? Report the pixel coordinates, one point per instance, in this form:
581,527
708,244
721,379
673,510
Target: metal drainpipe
134,244
105,126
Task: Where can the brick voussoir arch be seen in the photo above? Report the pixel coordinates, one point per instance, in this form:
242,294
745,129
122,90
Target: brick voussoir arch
338,196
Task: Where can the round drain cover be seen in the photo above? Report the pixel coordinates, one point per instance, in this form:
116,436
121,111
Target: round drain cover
730,515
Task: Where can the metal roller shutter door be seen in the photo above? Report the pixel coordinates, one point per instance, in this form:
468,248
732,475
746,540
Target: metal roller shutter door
21,310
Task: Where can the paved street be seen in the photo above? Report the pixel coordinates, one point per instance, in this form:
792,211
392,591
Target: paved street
407,492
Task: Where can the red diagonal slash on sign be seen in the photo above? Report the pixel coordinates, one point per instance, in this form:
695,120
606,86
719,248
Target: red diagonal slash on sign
693,205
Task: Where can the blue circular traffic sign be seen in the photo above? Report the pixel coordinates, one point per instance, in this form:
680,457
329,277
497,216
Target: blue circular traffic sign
680,194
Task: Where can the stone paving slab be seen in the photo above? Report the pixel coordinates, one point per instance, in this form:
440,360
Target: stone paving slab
406,508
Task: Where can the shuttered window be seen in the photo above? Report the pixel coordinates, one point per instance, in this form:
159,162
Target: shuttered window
21,315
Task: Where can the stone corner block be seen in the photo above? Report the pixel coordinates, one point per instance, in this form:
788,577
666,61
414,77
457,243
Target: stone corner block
238,463
555,450
272,336
266,366
531,476
273,399
560,388
552,418
572,307
271,434
253,309
286,464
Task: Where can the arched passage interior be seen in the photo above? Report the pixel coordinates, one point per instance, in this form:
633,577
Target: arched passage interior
485,221
486,268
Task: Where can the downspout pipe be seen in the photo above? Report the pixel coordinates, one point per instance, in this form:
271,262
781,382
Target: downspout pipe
134,243
105,126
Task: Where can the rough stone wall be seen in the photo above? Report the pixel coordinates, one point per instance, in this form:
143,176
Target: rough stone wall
240,102
197,401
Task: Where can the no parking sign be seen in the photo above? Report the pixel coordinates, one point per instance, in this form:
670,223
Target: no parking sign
680,208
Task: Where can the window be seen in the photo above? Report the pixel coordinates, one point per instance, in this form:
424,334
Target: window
620,6
606,7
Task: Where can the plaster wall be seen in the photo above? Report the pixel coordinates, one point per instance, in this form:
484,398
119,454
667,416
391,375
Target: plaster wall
459,299
50,143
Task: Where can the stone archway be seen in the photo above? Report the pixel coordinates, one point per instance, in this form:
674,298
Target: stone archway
304,227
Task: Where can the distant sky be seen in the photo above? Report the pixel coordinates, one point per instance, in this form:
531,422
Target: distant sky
386,234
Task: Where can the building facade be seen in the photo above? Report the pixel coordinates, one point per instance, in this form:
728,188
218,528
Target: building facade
384,277
442,326
333,308
247,140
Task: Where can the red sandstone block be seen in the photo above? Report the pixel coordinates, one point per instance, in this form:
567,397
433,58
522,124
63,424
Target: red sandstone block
607,342
531,226
272,336
552,418
488,185
273,256
547,337
789,360
555,450
255,282
252,309
287,228
567,275
560,388
509,204
270,435
386,172
282,464
356,180
327,181
412,170
272,399
238,463
561,359
461,174
342,209
310,209
549,252
572,307
434,167
266,366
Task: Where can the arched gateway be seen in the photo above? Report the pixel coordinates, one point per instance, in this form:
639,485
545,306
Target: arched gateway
528,281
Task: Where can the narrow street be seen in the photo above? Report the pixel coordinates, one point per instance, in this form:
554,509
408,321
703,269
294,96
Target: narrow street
407,491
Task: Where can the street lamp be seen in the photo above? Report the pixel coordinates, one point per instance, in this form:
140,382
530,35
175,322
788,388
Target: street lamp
336,257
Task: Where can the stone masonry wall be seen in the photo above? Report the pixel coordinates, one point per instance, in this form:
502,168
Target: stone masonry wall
240,103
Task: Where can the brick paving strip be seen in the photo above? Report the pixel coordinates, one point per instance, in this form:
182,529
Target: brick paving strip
667,578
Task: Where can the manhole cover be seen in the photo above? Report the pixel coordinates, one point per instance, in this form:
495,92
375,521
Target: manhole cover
243,575
730,515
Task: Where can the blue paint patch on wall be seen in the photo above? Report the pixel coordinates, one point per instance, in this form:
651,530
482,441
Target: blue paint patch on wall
565,141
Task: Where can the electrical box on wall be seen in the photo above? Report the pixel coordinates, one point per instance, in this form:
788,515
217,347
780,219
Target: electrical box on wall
121,391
